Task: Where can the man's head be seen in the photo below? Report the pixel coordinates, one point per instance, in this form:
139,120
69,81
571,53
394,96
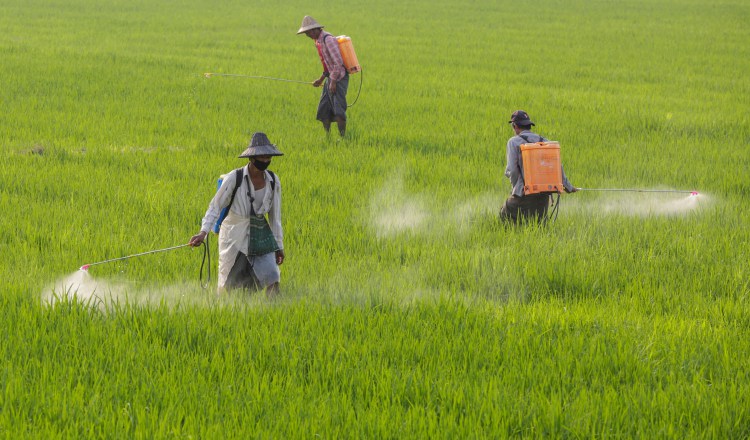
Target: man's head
520,121
314,33
310,27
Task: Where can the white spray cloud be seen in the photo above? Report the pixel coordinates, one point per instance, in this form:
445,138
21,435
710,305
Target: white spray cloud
641,204
79,286
82,287
393,210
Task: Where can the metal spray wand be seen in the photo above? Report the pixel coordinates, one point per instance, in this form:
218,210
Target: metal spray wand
86,266
209,75
692,193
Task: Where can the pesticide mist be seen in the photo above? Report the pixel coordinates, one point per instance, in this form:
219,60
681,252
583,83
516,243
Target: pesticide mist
82,287
392,210
640,204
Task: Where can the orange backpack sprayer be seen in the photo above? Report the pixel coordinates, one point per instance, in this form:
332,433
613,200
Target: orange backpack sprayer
542,172
351,63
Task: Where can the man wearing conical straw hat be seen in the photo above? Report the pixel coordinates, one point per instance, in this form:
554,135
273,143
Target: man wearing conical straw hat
334,79
250,249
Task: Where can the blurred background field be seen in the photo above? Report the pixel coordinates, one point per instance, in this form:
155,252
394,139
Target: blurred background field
407,311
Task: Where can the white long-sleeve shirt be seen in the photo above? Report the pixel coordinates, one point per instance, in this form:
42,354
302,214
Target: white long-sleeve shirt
241,206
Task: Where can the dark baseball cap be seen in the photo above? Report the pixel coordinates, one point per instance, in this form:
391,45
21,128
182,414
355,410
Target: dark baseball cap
520,117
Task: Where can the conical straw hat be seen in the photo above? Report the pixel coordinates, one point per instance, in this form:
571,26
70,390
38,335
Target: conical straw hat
261,146
309,23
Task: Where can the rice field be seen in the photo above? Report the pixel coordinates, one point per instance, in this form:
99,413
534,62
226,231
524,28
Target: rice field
407,310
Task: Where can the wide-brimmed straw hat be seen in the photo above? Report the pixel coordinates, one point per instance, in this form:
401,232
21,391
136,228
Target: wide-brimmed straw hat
309,23
261,146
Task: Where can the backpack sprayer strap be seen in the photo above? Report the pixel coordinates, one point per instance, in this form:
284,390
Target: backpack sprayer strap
541,138
237,182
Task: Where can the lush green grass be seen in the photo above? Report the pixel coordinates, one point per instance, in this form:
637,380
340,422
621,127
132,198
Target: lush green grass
407,311
437,368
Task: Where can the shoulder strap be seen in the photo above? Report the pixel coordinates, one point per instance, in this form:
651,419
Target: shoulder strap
541,138
237,183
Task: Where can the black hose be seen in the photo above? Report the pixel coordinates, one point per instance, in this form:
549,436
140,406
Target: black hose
361,80
206,256
555,208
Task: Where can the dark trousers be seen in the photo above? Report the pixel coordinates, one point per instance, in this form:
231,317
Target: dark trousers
531,208
241,275
334,105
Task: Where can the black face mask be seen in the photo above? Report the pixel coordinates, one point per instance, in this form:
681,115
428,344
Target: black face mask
261,165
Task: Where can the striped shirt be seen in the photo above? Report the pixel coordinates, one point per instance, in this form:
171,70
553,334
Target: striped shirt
329,50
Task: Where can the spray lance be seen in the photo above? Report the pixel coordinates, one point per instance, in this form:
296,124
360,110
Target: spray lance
692,193
348,56
206,255
209,75
235,75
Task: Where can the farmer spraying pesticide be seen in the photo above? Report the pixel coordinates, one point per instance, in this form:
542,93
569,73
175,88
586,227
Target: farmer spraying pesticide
250,236
534,182
334,79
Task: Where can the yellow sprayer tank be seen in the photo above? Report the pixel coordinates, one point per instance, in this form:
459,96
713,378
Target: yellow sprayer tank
542,171
347,53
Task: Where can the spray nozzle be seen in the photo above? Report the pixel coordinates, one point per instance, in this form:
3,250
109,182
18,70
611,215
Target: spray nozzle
694,193
85,267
